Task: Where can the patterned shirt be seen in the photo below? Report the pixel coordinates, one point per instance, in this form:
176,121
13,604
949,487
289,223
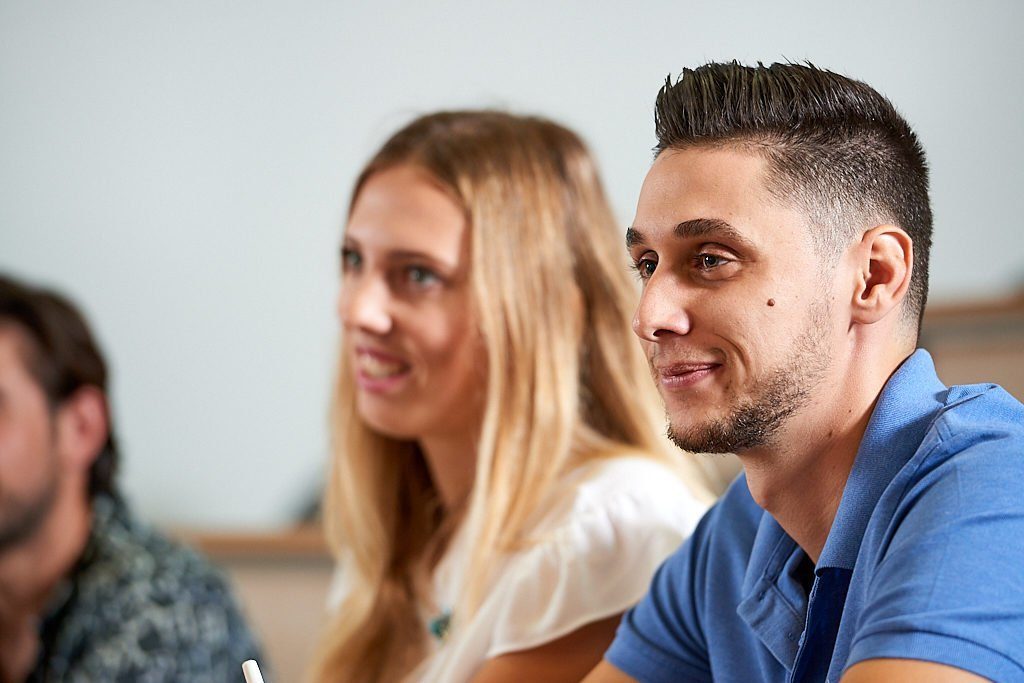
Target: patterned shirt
140,608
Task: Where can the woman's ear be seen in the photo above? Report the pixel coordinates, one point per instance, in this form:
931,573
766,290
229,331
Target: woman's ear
884,266
82,427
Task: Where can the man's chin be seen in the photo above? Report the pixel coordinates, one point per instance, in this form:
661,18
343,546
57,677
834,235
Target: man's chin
718,437
19,520
696,440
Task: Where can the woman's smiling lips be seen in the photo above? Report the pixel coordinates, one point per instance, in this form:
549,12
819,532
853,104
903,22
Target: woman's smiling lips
379,372
684,375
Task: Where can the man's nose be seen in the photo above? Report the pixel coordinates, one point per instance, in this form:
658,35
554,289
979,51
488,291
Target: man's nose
365,303
663,309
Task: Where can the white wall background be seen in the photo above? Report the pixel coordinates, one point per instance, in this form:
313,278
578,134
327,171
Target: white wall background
182,169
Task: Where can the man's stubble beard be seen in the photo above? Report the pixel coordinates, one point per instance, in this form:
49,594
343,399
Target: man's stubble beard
756,421
20,518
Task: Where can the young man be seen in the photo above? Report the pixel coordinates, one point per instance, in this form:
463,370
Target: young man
782,237
86,592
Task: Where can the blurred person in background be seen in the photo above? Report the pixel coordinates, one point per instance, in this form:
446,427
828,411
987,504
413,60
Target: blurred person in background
499,494
87,593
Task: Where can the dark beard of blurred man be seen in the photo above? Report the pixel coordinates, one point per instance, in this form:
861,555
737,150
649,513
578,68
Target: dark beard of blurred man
21,517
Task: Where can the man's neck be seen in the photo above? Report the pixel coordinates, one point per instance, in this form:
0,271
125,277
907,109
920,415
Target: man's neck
801,477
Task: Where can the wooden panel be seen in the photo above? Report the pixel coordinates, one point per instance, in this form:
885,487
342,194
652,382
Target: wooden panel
980,342
306,541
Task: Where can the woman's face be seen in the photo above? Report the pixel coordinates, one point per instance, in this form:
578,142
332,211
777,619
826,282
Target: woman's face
405,304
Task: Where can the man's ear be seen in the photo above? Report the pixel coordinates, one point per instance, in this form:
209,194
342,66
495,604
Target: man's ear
82,427
885,262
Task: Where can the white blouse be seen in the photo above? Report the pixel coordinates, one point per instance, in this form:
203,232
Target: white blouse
609,524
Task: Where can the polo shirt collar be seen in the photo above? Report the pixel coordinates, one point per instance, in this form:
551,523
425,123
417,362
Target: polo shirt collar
905,409
772,603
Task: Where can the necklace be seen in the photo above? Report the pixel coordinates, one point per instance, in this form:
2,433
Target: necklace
440,625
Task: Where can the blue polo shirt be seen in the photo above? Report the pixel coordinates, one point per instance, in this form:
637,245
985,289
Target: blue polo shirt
925,558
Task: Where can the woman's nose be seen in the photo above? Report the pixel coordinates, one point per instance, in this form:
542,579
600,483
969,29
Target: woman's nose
364,303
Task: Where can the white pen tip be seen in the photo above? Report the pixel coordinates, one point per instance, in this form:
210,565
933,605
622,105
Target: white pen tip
251,671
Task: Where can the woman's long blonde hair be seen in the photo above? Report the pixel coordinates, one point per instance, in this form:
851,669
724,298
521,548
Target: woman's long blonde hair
566,381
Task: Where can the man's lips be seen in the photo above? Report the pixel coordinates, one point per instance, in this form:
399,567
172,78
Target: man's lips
683,375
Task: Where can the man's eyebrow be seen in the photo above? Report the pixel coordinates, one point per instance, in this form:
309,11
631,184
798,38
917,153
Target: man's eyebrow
696,227
705,227
633,238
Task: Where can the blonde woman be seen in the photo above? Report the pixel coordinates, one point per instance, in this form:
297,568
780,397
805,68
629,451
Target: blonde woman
500,492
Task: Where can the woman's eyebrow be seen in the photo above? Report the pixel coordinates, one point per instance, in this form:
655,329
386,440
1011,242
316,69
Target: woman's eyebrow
411,255
399,254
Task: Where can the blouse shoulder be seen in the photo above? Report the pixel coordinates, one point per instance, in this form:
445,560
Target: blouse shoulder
593,552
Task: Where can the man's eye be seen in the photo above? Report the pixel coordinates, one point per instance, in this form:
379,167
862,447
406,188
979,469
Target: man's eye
645,267
350,259
710,261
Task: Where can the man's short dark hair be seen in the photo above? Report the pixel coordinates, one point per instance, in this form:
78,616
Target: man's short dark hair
836,148
62,356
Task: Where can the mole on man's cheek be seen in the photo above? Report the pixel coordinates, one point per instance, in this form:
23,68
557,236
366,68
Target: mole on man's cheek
771,302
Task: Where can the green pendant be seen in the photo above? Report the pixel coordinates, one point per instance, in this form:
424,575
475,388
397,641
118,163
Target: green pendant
440,625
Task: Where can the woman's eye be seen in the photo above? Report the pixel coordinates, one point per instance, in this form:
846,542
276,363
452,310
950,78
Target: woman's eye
350,259
421,276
